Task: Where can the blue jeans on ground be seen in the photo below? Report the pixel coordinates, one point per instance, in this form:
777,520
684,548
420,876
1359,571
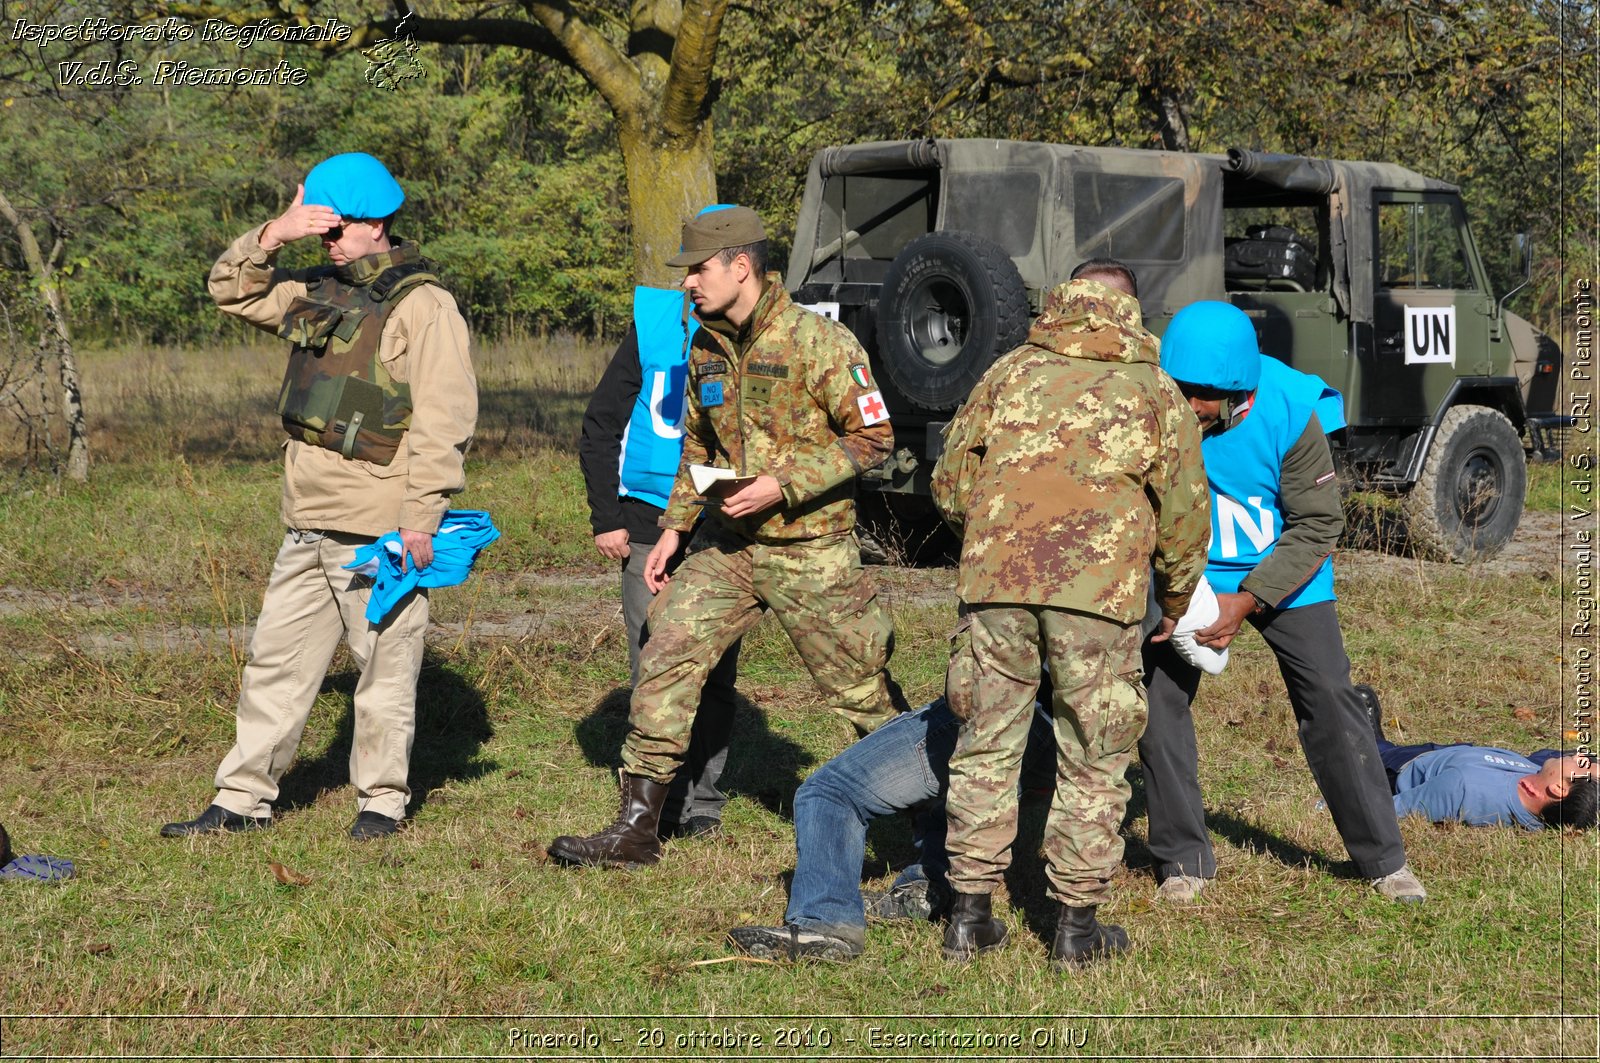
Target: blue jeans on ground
903,765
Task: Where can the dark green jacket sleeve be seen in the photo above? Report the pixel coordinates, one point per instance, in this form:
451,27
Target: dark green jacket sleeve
1313,519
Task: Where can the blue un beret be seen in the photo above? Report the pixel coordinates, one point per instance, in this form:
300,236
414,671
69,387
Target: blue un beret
356,185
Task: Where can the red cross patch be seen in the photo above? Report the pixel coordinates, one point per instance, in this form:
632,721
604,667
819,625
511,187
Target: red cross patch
872,408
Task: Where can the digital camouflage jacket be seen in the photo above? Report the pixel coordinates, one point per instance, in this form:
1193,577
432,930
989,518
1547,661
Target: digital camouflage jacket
789,395
1075,467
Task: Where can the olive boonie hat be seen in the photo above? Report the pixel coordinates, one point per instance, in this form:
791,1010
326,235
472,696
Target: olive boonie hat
715,228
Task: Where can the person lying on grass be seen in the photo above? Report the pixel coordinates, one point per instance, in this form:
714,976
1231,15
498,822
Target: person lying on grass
1483,786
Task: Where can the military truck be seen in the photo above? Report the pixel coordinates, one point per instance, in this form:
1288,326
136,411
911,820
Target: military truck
938,253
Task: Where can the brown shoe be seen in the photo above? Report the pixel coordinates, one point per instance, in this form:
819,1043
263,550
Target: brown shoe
630,841
1082,939
972,928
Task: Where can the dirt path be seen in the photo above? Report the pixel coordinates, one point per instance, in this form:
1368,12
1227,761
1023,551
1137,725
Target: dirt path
571,602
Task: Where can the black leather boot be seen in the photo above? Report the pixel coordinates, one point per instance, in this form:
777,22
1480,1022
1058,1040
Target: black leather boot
630,841
972,929
1082,939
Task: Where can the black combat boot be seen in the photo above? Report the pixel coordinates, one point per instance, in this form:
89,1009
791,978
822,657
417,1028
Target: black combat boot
630,841
1370,702
1082,939
972,929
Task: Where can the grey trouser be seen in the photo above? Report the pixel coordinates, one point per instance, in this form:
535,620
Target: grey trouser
1334,733
694,789
311,602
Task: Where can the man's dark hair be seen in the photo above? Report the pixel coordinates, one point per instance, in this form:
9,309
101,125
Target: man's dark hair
5,847
1578,809
757,253
1107,267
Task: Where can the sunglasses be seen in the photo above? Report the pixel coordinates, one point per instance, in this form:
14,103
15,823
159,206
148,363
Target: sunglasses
338,230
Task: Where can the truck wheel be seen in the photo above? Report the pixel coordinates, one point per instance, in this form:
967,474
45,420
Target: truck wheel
950,303
1468,501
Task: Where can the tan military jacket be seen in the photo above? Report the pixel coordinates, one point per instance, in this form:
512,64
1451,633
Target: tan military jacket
793,405
1075,465
424,345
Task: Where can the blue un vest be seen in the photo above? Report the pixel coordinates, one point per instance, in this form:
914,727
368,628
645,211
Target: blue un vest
1245,464
653,440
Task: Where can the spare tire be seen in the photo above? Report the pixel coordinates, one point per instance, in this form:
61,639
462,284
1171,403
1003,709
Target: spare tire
950,303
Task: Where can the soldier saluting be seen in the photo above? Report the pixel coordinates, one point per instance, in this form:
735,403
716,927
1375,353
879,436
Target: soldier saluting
783,396
379,402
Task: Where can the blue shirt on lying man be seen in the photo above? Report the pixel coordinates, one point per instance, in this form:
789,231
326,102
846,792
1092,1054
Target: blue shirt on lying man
1482,786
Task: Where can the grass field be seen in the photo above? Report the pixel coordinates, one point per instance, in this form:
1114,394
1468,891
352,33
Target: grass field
123,606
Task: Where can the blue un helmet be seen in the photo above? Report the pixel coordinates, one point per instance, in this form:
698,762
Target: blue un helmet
356,185
1212,345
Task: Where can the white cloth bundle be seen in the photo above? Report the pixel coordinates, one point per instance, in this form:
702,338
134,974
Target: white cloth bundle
1203,612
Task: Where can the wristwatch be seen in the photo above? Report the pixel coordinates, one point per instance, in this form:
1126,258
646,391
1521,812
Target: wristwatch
1261,604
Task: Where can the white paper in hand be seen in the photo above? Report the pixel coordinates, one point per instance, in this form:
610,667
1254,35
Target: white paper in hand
716,483
1203,612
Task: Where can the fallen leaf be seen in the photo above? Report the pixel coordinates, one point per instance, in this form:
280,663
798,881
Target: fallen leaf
99,948
1234,723
933,991
513,773
288,877
1522,712
475,864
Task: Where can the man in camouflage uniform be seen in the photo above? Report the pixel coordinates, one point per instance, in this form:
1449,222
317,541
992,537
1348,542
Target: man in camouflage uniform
379,401
1073,468
782,397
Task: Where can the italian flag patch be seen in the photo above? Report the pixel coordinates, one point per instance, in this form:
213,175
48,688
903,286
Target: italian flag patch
860,375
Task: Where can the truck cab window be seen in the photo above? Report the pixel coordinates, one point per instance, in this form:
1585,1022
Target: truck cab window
1419,246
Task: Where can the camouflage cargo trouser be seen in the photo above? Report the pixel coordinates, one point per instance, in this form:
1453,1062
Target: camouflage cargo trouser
1099,710
819,592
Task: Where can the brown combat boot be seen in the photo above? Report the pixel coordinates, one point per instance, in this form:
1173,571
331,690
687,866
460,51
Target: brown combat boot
972,929
1082,939
630,841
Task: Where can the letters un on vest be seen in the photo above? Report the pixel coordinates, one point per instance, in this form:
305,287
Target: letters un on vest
1245,465
336,393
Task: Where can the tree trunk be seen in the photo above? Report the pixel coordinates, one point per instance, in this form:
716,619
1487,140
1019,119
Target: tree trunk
668,180
71,388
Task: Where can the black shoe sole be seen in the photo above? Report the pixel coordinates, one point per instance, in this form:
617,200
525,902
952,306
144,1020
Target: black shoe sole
183,830
569,860
779,951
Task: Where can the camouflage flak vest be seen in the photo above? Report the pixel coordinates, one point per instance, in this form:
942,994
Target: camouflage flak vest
336,393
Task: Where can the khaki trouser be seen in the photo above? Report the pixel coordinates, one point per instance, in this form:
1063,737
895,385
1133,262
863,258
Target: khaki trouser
310,602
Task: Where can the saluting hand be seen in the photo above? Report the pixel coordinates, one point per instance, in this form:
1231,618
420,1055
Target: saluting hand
300,220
